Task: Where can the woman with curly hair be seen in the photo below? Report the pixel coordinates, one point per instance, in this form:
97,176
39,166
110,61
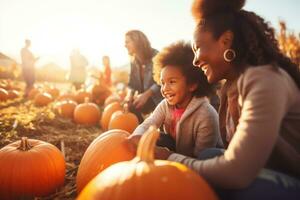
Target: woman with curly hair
140,79
190,122
260,105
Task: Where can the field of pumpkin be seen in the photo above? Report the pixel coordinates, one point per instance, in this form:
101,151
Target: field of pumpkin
57,145
51,129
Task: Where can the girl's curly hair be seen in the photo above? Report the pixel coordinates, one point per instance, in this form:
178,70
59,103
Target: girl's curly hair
254,39
181,55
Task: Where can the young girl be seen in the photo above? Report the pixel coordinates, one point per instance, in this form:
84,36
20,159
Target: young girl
188,118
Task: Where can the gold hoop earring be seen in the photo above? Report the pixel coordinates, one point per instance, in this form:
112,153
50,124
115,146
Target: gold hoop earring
229,55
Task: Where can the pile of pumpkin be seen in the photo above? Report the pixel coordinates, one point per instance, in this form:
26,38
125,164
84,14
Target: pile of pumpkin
110,169
97,105
8,91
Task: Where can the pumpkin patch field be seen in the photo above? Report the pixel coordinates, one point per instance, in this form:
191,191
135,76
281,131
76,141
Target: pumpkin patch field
43,141
61,144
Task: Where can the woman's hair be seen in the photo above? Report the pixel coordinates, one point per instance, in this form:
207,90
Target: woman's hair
181,55
144,51
254,40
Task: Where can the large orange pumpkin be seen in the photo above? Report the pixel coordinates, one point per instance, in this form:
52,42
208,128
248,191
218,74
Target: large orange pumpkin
42,99
107,149
87,113
30,168
3,94
107,113
124,120
66,108
146,178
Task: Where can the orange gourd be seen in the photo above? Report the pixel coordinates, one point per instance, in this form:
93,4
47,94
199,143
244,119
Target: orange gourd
3,94
146,178
33,92
12,94
30,168
107,113
107,149
53,91
66,108
42,99
100,93
124,120
111,99
82,95
87,113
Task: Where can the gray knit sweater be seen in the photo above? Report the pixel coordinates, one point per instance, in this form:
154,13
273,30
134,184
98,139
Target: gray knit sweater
197,129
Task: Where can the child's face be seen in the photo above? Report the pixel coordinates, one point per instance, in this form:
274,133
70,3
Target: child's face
174,87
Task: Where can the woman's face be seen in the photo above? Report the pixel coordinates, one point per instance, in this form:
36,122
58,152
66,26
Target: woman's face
209,55
129,44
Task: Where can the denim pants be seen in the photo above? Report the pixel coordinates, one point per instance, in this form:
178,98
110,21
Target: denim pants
269,184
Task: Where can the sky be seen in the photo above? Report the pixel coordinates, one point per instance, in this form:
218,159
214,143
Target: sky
97,27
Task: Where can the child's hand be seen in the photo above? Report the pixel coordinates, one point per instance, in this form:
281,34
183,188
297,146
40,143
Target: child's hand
162,153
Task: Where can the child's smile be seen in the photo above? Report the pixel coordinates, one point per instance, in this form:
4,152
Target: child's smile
174,87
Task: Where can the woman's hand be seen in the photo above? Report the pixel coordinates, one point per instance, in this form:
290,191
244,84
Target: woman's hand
141,99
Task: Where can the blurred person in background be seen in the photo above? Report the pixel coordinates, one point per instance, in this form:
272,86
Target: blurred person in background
141,74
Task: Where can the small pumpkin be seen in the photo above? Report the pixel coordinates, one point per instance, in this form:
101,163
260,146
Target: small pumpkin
107,113
81,95
12,94
87,113
42,99
30,168
33,92
3,94
108,148
146,178
99,93
53,91
111,99
124,120
66,108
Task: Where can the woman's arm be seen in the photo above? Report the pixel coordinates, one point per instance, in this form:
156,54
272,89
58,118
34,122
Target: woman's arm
264,104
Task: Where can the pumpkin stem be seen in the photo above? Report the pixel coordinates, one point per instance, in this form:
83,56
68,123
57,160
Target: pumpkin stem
146,146
126,109
86,100
24,145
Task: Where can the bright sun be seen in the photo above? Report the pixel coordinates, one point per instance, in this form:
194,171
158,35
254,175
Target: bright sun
59,35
